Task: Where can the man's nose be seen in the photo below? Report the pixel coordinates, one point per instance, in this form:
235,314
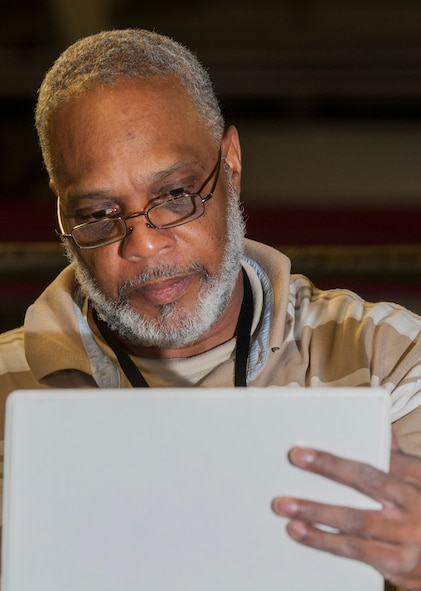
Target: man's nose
143,241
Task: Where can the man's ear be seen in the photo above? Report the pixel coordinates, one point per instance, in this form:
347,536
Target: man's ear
231,149
53,187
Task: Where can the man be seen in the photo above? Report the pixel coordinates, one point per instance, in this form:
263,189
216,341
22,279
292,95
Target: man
164,291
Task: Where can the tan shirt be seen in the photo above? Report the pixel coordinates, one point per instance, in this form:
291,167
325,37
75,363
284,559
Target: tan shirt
303,336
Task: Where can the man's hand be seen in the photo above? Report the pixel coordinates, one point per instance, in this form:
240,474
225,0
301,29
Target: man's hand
388,538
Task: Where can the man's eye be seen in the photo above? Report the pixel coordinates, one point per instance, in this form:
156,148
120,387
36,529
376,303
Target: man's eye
169,194
99,214
178,192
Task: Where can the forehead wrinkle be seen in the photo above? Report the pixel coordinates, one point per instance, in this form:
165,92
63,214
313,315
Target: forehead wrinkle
163,174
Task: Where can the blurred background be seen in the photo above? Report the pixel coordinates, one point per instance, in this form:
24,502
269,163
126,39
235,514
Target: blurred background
326,95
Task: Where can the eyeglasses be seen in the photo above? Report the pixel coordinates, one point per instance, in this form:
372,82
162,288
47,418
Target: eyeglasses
176,211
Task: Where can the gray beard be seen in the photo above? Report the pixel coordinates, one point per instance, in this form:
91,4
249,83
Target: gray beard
175,327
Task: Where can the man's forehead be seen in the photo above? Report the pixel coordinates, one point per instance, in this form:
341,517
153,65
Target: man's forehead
157,106
100,123
166,87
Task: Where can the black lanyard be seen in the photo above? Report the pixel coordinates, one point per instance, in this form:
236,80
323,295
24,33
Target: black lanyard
245,319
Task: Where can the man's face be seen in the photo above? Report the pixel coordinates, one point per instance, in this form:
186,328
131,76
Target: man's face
120,149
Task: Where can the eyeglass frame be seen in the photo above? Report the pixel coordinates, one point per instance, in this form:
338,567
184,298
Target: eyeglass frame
129,229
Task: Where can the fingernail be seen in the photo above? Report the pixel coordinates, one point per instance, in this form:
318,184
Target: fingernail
297,530
285,506
301,456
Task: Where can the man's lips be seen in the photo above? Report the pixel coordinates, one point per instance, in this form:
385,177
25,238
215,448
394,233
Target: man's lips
162,291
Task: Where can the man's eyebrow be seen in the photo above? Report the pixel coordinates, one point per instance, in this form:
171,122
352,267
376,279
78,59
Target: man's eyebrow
73,200
97,194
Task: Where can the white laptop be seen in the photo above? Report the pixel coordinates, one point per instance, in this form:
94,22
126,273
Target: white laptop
171,490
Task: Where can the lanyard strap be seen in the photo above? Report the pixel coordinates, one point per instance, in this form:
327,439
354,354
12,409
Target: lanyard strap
127,364
245,319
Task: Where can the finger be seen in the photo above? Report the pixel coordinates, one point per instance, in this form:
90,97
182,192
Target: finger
398,564
394,445
406,467
390,525
379,485
338,544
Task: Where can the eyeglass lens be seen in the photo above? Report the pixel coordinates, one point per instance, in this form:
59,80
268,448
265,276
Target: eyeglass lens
174,212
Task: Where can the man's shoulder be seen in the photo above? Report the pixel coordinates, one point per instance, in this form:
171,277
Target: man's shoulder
15,373
11,337
264,254
12,351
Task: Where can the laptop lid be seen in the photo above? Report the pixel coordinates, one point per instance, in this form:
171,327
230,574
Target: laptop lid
171,490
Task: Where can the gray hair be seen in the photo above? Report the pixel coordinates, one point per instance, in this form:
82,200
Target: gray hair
131,53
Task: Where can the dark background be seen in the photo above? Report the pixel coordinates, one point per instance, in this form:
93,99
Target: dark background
326,96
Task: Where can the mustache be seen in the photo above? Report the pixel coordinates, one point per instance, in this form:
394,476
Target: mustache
161,272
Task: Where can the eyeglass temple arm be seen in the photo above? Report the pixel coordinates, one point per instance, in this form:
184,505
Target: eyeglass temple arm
61,232
215,180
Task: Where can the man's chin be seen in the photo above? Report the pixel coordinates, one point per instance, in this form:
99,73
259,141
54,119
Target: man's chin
170,328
